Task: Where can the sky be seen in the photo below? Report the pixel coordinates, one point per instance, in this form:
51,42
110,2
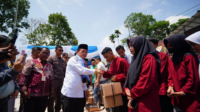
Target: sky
93,21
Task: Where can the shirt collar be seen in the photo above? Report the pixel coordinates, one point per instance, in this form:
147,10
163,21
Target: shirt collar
41,60
80,58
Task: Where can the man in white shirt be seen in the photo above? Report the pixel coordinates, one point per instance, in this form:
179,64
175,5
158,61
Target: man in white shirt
121,52
100,79
74,85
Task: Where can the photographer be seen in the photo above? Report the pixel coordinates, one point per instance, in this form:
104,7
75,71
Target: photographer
7,75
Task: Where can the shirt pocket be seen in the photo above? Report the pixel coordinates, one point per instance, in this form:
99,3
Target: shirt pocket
55,62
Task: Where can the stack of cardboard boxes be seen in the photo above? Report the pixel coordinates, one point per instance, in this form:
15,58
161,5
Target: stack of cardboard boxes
90,103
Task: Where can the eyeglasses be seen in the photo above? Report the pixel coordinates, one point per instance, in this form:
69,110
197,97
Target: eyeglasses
60,50
67,57
46,53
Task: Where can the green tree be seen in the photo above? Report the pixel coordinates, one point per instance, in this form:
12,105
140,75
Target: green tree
7,14
139,24
112,39
55,32
177,24
40,36
117,33
60,30
159,29
124,41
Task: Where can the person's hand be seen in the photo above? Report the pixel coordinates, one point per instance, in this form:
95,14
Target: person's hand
26,95
177,94
114,78
86,94
98,84
52,94
12,52
18,65
129,104
99,71
128,94
170,91
14,94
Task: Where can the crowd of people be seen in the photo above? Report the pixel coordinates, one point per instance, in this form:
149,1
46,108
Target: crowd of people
151,81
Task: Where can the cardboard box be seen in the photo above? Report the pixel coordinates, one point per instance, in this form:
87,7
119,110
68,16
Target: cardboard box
90,100
112,94
111,88
92,108
91,93
113,101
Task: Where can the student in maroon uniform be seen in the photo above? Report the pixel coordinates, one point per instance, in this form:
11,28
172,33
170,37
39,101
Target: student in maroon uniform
117,72
183,74
142,83
165,101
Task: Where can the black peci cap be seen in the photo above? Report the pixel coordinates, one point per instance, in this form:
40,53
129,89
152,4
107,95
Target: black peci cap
83,46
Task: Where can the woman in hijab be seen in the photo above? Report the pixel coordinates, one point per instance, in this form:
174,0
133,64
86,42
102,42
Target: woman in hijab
183,74
194,41
142,82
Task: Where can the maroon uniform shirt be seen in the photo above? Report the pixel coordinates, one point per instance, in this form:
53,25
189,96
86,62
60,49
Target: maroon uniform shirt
164,73
118,67
146,90
184,77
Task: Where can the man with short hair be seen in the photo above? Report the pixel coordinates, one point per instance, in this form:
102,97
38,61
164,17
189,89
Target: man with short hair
34,53
165,101
38,82
59,68
66,57
99,79
117,72
121,52
74,90
93,76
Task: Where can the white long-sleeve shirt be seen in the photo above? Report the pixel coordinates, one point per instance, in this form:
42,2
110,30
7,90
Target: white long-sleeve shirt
72,85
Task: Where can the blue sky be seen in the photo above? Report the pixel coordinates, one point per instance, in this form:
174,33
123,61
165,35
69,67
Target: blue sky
93,21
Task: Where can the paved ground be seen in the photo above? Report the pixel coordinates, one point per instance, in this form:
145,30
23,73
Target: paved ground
17,103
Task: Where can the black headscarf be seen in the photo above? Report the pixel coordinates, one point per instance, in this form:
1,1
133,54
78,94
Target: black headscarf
180,47
142,47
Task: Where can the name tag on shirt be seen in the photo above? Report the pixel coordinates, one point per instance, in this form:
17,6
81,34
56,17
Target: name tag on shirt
43,78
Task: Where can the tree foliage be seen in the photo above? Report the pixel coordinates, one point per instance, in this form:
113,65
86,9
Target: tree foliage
177,24
112,39
147,26
7,14
159,29
139,23
55,32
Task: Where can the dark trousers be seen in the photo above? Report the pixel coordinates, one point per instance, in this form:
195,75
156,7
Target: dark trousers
57,97
73,104
4,106
36,104
165,103
122,108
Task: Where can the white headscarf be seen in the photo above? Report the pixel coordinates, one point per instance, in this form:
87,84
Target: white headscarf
195,38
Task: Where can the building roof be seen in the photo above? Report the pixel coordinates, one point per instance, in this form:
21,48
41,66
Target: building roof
190,23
